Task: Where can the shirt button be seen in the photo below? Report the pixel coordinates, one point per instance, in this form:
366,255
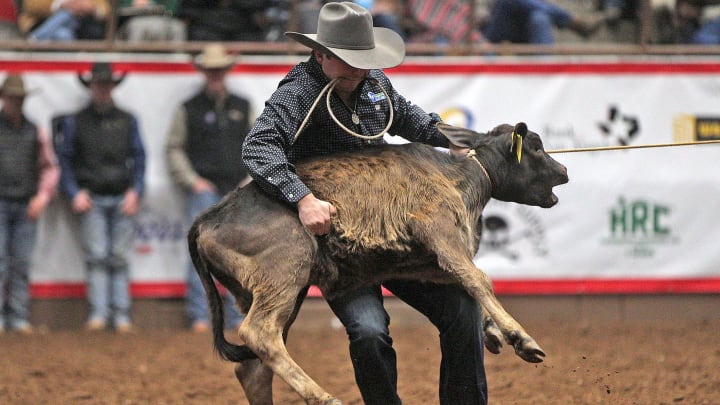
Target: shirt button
291,195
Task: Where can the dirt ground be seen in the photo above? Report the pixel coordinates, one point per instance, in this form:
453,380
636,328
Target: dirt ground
608,363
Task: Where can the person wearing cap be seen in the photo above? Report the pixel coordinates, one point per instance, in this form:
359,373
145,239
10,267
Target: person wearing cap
346,62
102,161
28,178
203,149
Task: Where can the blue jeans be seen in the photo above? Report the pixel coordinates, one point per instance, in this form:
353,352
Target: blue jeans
708,33
525,21
106,239
196,301
17,240
449,308
60,26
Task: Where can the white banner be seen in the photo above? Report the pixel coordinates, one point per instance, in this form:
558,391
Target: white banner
630,215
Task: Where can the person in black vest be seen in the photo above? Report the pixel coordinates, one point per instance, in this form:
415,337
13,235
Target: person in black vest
28,179
203,155
102,161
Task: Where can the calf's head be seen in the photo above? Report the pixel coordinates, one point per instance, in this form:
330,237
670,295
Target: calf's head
519,168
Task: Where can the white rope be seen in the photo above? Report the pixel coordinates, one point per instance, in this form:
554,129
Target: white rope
620,147
329,89
473,155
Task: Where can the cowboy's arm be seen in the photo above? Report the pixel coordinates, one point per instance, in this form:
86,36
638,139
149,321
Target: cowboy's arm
266,147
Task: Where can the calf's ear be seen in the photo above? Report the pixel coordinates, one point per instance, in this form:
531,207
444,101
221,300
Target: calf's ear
460,137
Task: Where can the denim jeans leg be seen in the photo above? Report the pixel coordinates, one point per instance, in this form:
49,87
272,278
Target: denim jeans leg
456,315
708,33
195,302
121,233
22,243
95,240
540,28
373,357
61,26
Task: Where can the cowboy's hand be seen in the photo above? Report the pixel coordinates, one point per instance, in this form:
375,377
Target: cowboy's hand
458,151
315,214
82,202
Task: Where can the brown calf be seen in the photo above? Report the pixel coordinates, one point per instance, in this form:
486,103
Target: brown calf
403,212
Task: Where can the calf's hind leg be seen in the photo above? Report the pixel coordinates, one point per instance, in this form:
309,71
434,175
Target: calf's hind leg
254,376
262,331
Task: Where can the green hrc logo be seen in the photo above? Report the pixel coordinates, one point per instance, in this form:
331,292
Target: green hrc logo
639,225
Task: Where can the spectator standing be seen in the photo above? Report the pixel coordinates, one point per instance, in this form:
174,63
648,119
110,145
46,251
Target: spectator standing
532,22
224,20
9,20
348,48
102,162
28,178
64,20
203,154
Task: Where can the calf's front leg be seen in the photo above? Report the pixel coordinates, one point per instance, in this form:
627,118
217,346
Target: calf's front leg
458,264
478,285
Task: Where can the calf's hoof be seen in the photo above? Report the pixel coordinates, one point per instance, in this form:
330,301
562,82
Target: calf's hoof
493,338
529,350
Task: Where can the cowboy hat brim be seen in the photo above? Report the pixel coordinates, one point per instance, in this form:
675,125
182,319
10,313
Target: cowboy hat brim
87,78
201,64
389,50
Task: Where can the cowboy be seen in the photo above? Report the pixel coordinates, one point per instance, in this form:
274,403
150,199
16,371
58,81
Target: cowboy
203,149
102,158
28,177
359,104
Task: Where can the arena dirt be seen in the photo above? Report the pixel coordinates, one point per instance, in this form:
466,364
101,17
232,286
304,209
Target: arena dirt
609,363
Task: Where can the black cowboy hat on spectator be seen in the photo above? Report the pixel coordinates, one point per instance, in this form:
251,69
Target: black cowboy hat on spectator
101,72
14,86
346,31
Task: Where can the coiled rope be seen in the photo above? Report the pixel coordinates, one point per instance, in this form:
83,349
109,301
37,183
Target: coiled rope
329,89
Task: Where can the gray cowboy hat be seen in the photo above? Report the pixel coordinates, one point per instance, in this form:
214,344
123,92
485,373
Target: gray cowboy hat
346,31
213,56
101,72
14,86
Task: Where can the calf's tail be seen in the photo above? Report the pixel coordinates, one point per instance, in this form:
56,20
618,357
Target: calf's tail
225,349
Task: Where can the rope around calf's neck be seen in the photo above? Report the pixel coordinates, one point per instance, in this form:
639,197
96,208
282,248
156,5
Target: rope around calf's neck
473,155
329,89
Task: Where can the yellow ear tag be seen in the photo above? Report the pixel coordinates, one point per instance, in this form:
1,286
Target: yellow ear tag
517,144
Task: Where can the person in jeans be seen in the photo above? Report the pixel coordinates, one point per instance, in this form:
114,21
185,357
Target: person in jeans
203,150
532,22
28,177
64,20
348,48
102,162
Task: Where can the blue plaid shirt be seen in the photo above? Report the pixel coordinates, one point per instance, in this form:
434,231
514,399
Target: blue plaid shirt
270,151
